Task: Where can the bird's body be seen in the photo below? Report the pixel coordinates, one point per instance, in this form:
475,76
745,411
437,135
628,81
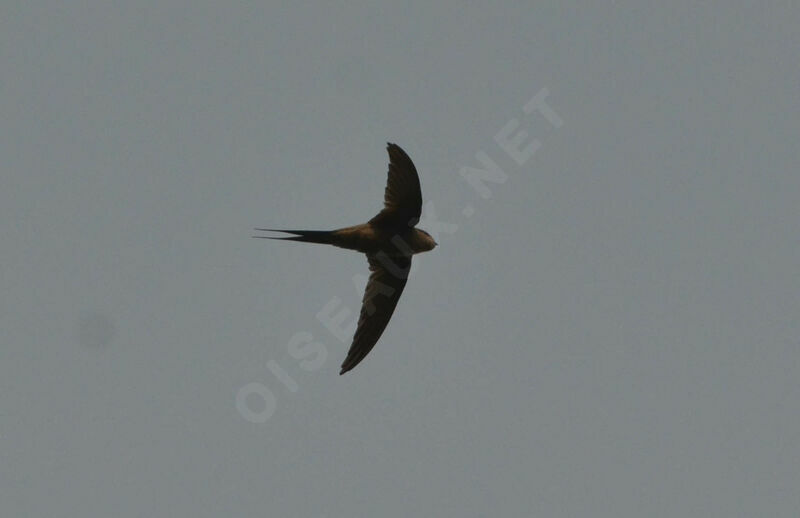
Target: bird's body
367,238
388,240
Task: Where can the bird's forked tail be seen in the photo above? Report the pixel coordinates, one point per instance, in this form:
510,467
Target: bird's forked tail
304,236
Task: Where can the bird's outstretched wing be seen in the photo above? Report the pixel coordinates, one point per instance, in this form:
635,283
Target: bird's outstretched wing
386,283
403,197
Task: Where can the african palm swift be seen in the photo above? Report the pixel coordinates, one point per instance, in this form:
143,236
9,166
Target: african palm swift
389,240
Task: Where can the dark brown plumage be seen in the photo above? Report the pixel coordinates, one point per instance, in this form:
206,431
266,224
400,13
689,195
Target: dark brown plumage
389,240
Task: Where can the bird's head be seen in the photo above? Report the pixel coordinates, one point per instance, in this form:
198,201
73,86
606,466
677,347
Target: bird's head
426,241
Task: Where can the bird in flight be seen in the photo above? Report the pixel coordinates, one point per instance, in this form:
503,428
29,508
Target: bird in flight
388,240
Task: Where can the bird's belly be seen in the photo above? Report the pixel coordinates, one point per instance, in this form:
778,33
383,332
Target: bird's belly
371,240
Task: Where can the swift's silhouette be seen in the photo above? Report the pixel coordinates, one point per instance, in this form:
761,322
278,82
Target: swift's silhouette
389,240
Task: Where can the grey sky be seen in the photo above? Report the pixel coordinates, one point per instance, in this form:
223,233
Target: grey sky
613,333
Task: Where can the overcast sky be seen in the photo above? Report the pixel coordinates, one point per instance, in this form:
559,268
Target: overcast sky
609,327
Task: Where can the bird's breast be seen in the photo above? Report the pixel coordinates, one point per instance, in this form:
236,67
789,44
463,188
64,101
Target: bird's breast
371,239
